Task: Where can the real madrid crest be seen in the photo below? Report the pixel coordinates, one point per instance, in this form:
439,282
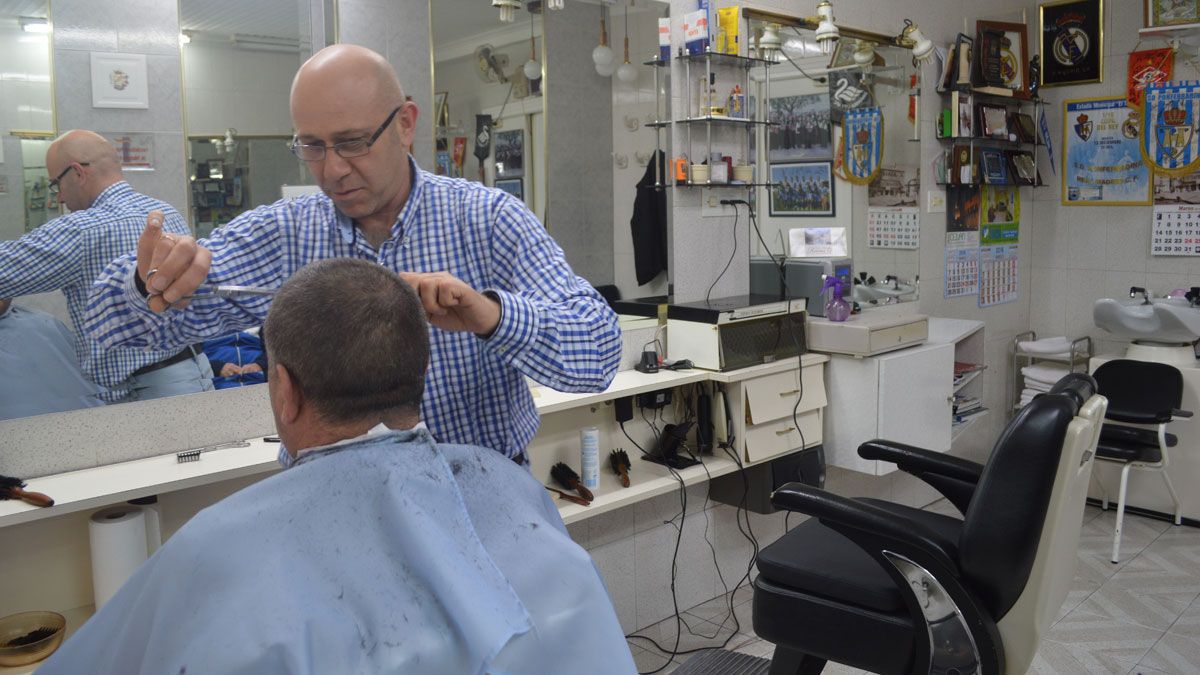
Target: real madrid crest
1170,143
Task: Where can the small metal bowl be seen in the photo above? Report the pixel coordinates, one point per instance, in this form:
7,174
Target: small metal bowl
29,637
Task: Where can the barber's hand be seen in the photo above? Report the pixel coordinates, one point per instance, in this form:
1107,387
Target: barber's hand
179,264
251,368
230,369
452,305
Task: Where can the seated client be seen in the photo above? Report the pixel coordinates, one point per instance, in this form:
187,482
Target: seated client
380,550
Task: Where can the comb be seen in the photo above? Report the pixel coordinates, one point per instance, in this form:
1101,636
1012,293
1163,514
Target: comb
194,454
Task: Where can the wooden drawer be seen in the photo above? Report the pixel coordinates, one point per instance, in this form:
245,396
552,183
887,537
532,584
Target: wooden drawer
764,441
773,397
895,337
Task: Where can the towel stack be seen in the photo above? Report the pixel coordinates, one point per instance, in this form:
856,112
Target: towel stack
1039,378
1053,347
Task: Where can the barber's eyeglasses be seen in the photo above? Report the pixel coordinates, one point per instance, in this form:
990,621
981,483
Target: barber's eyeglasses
58,179
346,149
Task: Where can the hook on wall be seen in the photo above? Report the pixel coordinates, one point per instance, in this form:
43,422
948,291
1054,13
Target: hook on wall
632,123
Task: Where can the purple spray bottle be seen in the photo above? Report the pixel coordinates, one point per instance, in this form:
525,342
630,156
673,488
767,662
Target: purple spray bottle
836,308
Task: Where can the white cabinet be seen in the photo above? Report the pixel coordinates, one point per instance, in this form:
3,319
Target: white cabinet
904,396
762,406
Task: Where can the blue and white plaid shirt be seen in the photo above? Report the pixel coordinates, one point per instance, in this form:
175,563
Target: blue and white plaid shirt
555,327
68,253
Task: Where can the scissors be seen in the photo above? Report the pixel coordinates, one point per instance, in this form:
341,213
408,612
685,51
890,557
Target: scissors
228,291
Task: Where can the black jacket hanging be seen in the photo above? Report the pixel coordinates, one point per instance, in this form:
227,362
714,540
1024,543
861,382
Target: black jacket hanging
649,224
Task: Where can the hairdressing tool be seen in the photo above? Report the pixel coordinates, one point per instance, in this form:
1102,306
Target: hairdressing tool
566,477
11,488
230,291
194,454
619,461
568,496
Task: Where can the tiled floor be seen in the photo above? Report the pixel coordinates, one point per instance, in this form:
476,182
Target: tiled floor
1141,616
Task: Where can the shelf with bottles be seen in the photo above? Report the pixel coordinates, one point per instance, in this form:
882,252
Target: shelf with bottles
720,119
715,58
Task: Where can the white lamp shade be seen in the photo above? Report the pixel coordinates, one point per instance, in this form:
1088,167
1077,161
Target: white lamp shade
627,73
606,69
603,55
533,70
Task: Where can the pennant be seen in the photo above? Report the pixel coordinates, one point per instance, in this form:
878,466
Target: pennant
1169,140
1044,128
862,144
1147,67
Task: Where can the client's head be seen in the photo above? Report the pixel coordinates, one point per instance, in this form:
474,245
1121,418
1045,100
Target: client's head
347,345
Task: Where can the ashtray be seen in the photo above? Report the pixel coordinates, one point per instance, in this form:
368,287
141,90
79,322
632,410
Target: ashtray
29,637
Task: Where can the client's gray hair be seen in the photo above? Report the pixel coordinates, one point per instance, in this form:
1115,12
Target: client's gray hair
353,336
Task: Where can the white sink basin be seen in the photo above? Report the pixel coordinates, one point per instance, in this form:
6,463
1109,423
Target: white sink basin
1166,320
880,294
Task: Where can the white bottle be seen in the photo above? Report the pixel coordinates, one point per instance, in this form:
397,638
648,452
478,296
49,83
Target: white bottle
589,457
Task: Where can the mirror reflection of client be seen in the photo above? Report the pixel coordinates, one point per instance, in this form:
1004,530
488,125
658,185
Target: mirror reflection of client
69,252
39,370
502,300
237,360
379,550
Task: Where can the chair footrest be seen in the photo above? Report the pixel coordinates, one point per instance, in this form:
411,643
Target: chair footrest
724,662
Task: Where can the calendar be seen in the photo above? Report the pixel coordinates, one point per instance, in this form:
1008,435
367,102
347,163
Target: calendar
997,274
1176,230
893,227
962,272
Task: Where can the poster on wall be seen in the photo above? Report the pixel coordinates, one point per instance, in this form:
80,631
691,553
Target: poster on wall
998,275
1171,142
802,189
1000,215
119,80
510,153
1102,162
513,186
1147,67
961,272
801,128
135,150
817,242
962,209
1176,217
1072,42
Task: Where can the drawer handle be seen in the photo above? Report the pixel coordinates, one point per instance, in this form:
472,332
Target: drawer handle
789,393
785,432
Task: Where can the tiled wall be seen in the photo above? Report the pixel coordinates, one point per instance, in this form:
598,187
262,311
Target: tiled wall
1084,253
239,88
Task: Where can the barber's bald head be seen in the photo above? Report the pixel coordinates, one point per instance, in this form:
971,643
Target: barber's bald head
362,73
91,164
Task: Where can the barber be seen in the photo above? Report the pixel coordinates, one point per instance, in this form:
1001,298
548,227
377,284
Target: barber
502,300
69,252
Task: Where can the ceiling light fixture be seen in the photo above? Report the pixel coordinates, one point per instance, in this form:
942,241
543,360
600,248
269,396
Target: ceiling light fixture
508,9
533,69
827,31
31,24
627,72
912,37
603,55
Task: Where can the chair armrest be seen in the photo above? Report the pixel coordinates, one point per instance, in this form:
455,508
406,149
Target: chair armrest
867,525
913,460
1182,414
1137,417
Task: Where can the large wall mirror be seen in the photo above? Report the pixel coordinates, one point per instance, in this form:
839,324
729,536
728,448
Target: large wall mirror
812,212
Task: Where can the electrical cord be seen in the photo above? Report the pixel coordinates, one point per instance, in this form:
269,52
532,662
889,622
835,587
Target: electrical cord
708,294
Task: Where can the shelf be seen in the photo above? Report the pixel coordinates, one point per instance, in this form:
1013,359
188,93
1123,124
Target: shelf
646,480
1004,184
967,379
957,428
720,119
726,185
720,59
1180,31
989,95
990,139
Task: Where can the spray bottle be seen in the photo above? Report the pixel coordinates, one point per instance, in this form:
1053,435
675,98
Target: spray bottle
836,308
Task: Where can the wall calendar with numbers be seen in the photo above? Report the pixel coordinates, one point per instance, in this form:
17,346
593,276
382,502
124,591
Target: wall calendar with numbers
997,274
893,227
1176,230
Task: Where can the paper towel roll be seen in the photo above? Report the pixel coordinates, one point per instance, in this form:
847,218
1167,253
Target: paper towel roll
118,538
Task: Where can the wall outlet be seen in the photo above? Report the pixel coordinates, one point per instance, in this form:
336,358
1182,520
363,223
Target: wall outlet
710,203
936,201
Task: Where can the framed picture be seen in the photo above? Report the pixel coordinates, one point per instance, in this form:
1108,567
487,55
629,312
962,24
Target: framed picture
441,109
1096,133
119,81
800,128
513,186
1071,40
802,189
1013,56
510,154
1171,12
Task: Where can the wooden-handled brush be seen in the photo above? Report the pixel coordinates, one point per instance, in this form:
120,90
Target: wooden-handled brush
566,477
11,488
568,496
620,465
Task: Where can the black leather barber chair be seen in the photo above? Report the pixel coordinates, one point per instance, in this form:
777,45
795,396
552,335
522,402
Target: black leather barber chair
892,589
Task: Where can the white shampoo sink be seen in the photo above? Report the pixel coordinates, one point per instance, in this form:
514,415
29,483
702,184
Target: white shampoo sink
1164,321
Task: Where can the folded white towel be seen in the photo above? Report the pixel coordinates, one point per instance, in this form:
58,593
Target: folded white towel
1051,346
1048,373
1039,387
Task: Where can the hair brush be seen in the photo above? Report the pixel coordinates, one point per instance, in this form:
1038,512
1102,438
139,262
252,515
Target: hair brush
620,465
566,477
568,496
10,488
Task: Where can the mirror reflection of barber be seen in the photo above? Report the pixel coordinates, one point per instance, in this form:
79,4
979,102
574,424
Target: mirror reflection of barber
68,253
502,300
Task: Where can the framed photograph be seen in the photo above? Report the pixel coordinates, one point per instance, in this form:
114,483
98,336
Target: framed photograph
441,109
1013,53
801,128
995,168
802,189
1097,132
995,121
119,81
513,186
510,154
1171,12
1071,40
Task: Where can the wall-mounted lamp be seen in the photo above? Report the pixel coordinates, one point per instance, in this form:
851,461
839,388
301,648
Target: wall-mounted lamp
827,30
508,9
864,53
627,73
769,44
31,24
184,37
922,47
533,69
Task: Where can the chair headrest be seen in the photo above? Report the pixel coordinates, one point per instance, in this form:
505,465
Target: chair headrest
1076,387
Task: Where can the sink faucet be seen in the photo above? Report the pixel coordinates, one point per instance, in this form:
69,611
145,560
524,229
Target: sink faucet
1134,291
895,281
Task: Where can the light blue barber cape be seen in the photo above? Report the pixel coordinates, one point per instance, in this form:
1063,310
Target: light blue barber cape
39,368
387,554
